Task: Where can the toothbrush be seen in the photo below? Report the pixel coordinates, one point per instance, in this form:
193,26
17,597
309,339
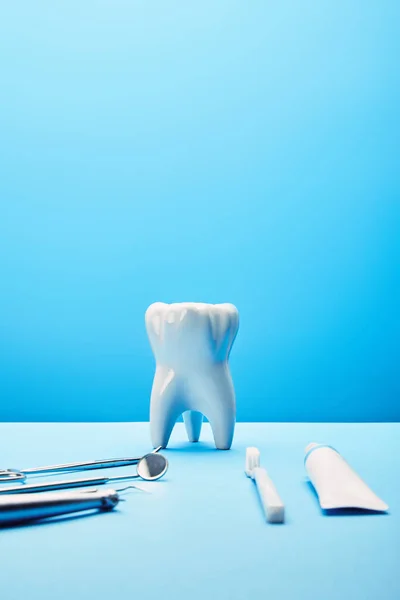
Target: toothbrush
273,506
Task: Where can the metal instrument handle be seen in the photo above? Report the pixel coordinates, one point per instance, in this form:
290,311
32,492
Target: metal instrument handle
53,485
7,475
83,466
28,507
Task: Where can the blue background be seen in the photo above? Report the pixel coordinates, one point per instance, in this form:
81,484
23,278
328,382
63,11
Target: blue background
208,151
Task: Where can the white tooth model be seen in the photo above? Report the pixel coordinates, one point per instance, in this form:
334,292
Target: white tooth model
191,343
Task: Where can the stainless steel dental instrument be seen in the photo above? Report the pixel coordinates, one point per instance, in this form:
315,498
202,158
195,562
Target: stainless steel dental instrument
150,467
13,475
20,508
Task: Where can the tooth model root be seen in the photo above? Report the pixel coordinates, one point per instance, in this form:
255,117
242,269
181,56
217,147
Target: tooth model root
193,421
191,344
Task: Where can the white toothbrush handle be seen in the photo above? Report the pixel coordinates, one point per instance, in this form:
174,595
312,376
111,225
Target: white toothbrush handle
273,506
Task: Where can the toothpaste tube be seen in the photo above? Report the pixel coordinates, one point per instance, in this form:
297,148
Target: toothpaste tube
335,482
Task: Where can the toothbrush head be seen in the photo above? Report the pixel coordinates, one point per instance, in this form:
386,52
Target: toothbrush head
252,461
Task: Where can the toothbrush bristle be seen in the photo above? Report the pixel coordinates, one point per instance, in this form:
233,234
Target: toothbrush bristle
252,460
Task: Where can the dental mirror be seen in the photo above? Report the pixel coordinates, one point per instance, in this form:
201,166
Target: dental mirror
149,468
10,475
152,467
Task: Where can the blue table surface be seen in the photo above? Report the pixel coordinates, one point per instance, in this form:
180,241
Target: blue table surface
201,532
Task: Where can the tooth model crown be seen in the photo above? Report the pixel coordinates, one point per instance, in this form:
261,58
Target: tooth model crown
191,343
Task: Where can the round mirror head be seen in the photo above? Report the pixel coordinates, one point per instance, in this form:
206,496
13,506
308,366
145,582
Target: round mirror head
152,466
